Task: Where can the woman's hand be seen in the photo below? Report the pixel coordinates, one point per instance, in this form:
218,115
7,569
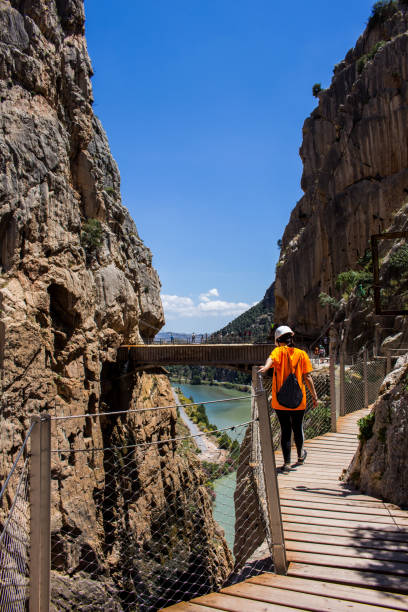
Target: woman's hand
265,367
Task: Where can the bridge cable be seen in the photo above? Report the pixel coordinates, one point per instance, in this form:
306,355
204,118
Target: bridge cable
155,442
133,410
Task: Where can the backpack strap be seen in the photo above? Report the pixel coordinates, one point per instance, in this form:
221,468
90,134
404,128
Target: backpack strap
292,368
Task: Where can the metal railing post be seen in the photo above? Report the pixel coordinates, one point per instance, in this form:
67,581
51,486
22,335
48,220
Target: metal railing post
342,384
333,408
388,367
40,516
271,480
365,377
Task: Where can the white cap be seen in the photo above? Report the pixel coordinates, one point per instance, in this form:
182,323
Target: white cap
282,330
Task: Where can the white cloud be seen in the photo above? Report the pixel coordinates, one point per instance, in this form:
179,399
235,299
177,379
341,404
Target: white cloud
220,307
176,307
205,297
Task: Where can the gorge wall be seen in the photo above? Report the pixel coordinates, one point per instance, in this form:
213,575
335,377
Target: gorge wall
76,282
355,172
379,466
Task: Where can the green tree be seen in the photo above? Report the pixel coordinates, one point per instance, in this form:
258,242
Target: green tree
91,235
317,89
381,11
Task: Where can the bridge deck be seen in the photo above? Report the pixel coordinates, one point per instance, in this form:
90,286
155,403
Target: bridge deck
346,550
196,354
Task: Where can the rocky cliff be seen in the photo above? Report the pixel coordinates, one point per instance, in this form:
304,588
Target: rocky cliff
379,466
355,171
77,282
256,321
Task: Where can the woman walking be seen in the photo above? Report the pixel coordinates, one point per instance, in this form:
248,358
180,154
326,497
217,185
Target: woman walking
286,359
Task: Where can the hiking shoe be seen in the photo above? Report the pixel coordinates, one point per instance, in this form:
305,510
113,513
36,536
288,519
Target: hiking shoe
303,456
285,468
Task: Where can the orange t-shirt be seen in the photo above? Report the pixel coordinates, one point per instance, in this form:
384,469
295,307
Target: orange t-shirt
300,364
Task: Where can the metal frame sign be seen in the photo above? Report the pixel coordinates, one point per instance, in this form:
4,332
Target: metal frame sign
375,238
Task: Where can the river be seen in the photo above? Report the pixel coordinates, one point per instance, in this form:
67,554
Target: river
225,414
228,414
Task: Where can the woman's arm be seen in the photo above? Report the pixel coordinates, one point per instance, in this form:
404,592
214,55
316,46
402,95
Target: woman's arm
266,367
308,380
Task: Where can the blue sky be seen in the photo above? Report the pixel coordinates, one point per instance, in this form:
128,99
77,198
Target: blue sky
203,102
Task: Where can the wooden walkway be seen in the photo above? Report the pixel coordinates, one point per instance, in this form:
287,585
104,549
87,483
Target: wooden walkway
346,551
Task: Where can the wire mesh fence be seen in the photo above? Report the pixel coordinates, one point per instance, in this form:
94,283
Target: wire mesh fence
15,534
363,377
145,515
155,521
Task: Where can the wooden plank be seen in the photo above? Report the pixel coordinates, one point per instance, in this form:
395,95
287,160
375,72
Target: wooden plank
318,459
222,601
394,567
378,510
336,498
385,518
330,522
330,435
355,542
385,582
347,592
187,606
305,601
307,480
348,551
334,453
346,530
337,511
306,472
334,457
316,465
335,491
329,446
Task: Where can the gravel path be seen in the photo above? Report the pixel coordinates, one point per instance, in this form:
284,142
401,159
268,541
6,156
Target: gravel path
208,450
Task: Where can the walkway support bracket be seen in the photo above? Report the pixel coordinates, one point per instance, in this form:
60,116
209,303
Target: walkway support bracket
40,516
271,480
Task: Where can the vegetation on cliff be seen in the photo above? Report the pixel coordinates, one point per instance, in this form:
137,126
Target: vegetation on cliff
198,415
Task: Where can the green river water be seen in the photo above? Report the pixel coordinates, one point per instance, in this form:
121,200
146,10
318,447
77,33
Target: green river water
226,414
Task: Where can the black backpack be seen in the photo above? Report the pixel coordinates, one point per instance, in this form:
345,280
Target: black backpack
290,394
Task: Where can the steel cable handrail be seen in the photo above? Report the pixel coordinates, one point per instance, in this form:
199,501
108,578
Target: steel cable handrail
152,443
133,410
20,452
10,514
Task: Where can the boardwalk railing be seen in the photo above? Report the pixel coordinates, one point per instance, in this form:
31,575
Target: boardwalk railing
15,533
149,519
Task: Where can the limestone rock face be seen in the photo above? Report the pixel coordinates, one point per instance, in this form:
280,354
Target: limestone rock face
379,466
76,282
355,173
66,304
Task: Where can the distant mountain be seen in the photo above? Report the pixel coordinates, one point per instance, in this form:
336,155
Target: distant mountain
257,320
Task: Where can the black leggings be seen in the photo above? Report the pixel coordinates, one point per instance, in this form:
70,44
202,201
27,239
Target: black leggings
291,421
